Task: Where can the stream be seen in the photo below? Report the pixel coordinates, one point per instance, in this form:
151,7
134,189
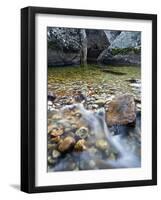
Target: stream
79,135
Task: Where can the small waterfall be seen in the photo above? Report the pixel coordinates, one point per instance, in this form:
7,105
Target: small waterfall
98,127
126,158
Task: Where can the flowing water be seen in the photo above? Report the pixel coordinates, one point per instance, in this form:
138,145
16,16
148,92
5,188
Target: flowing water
104,147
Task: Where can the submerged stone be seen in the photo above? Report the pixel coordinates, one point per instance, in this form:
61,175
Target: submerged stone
56,139
92,164
57,132
50,128
51,161
55,154
102,144
82,132
100,102
66,144
51,97
80,145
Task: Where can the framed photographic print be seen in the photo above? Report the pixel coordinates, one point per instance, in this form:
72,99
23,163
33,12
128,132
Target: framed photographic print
88,99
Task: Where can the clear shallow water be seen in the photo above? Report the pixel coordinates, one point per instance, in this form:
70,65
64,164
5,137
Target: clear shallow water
103,149
67,77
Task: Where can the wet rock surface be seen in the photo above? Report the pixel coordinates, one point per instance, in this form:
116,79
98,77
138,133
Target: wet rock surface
66,143
121,110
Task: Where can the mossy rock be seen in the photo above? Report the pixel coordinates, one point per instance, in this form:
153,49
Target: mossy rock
124,51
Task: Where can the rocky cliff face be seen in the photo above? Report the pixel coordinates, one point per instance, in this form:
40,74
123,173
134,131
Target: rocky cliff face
66,47
111,35
125,56
125,49
97,42
63,46
126,40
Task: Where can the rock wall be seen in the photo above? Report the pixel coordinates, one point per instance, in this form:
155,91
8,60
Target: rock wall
127,56
65,47
111,35
127,40
125,49
97,42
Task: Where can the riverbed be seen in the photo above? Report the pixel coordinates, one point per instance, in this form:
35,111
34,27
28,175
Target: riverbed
79,137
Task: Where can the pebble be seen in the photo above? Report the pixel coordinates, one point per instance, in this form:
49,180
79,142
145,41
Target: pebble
92,164
55,154
78,114
51,146
100,102
57,132
56,139
68,129
132,80
80,145
82,132
50,128
112,156
71,166
74,126
94,106
136,85
56,116
50,103
138,106
51,161
51,96
102,144
92,150
66,144
137,100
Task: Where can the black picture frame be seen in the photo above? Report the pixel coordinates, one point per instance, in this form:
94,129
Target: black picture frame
28,98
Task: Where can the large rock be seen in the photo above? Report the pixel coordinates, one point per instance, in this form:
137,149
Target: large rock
63,46
97,41
127,39
60,58
111,35
121,110
124,57
125,49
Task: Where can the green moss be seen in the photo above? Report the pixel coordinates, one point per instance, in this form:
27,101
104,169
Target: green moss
124,51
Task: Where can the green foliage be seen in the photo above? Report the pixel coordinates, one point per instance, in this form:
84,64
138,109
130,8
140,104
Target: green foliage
124,51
